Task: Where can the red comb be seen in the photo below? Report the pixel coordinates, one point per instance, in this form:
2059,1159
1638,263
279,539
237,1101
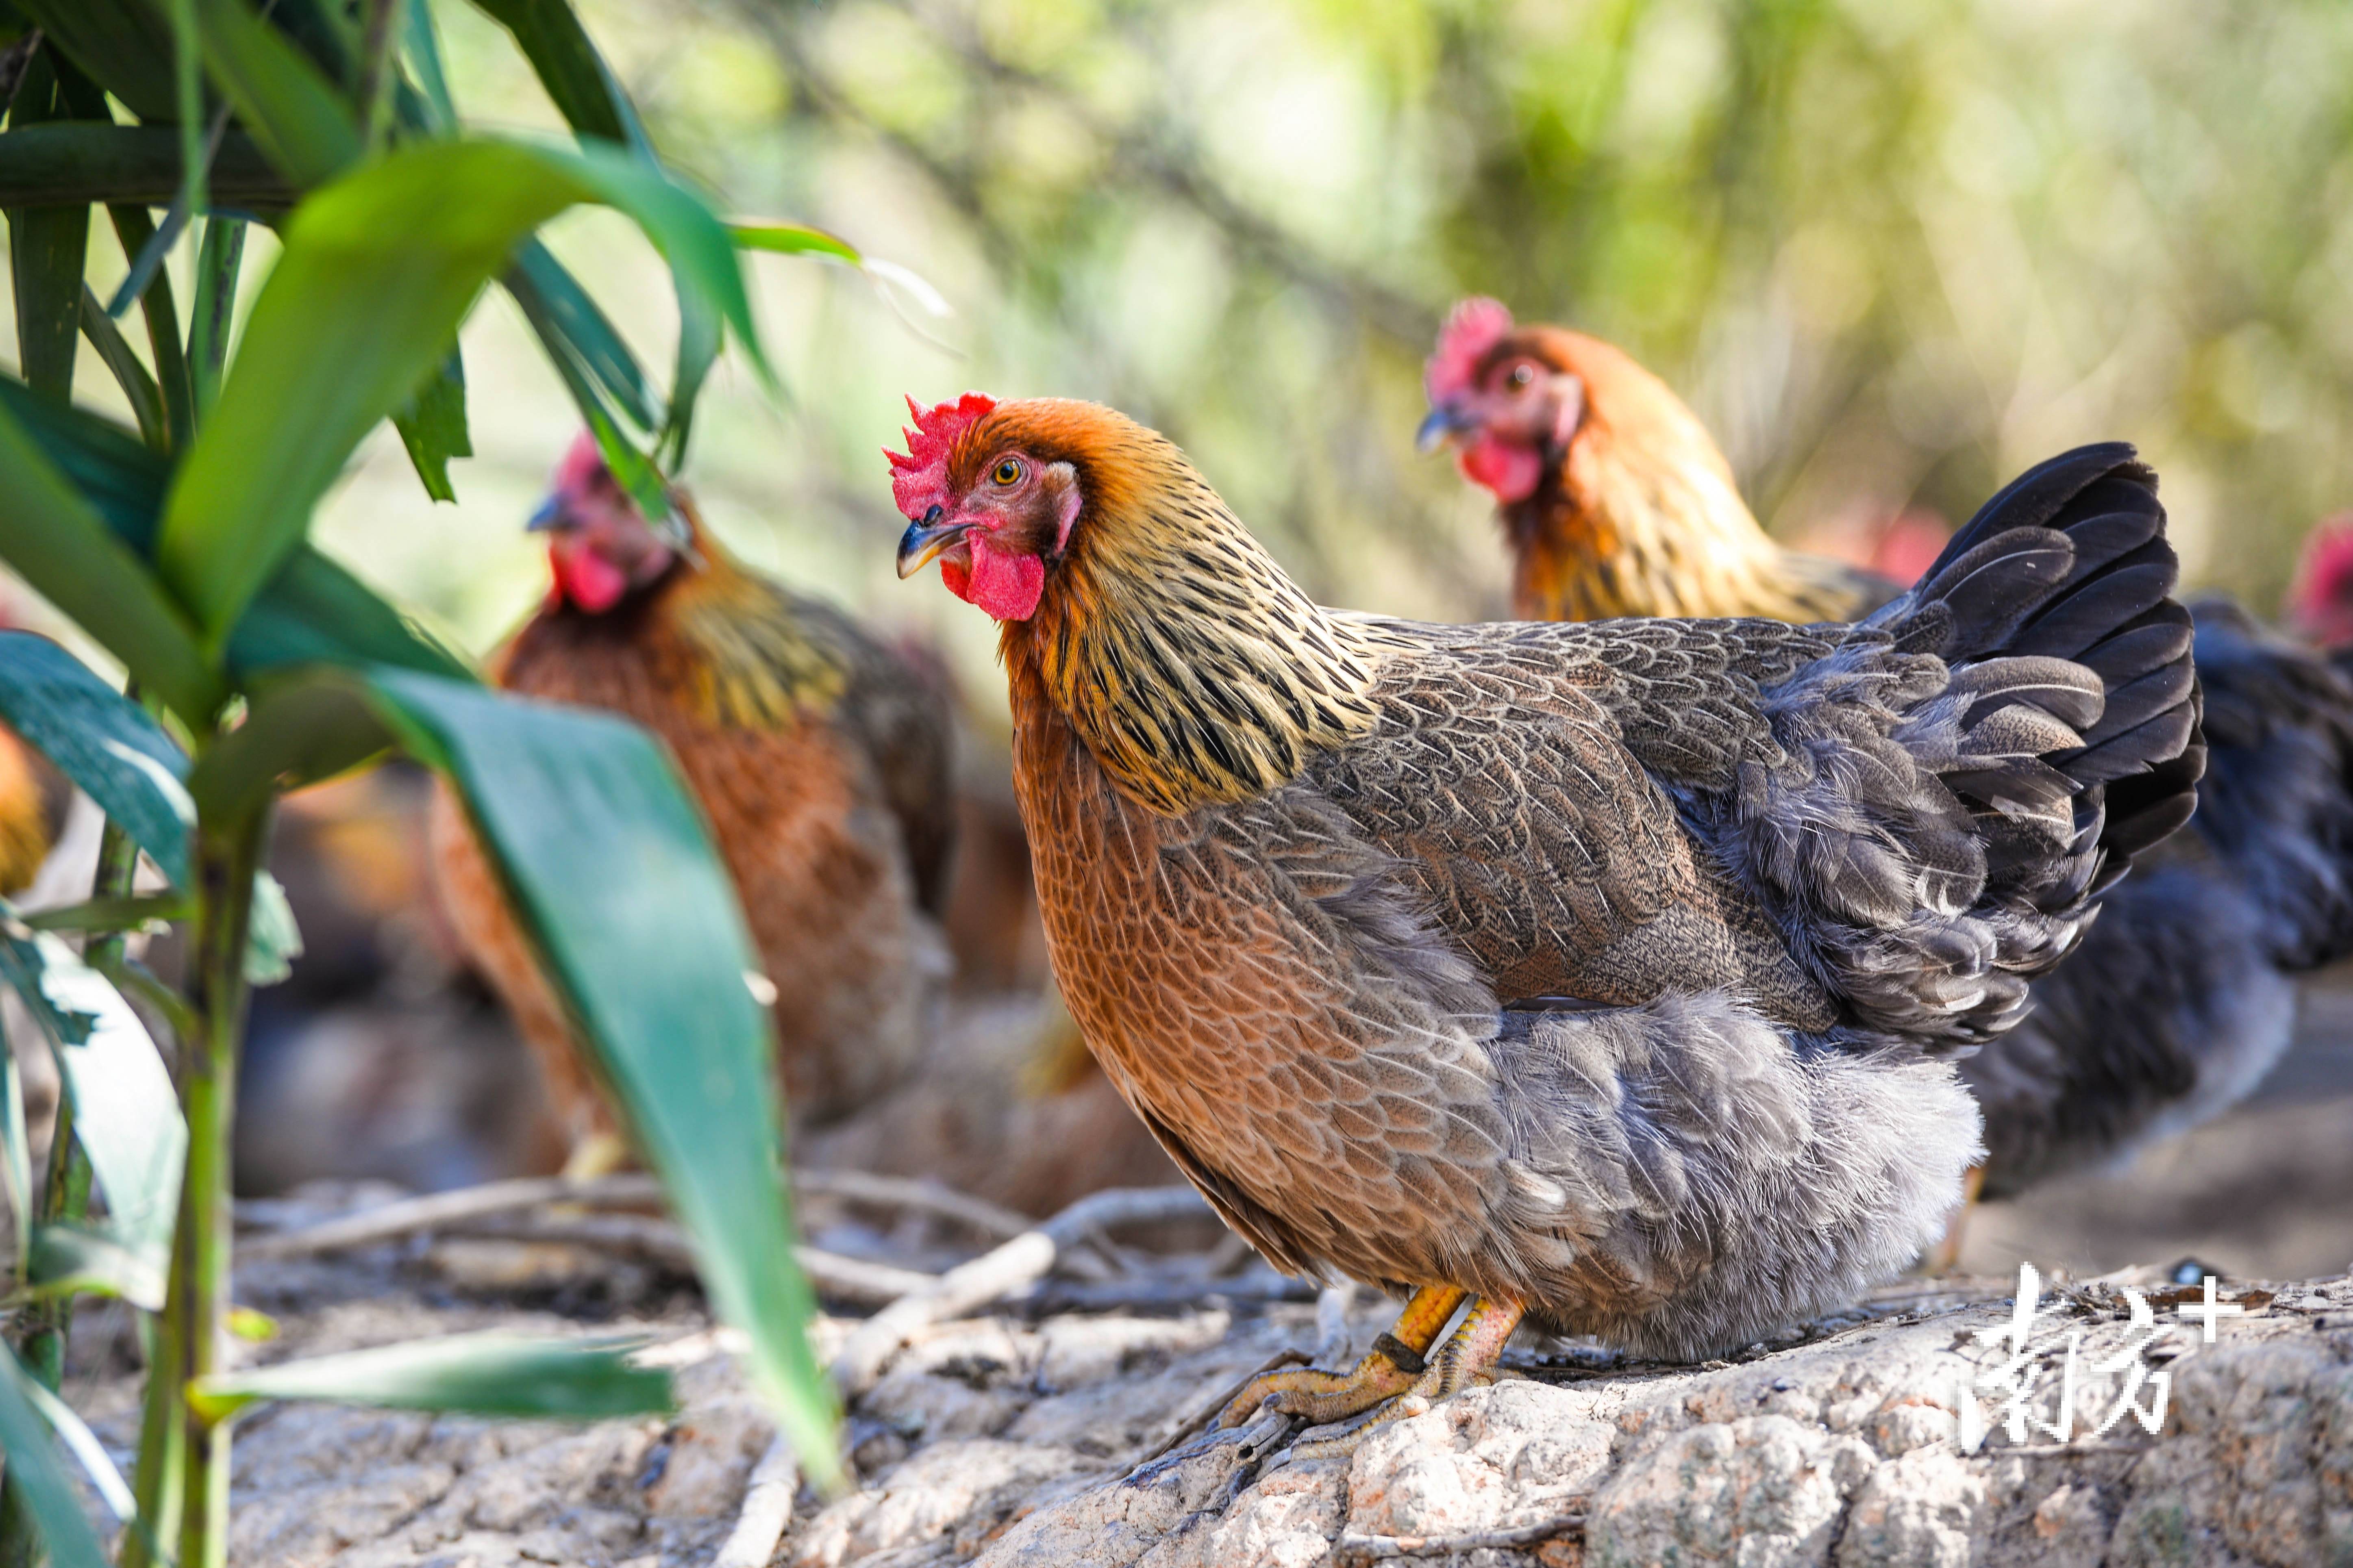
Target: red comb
919,476
1475,326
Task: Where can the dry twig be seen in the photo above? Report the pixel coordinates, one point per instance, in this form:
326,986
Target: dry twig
1019,1263
658,1242
1377,1548
767,1509
1289,1355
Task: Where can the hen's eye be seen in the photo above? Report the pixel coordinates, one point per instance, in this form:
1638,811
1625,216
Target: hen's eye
1005,472
1523,375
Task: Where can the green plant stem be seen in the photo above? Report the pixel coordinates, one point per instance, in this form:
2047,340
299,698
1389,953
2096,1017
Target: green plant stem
208,323
136,230
196,1309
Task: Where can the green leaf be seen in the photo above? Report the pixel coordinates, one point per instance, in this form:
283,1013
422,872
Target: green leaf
83,1444
102,740
272,942
567,320
46,249
123,45
314,611
76,163
146,400
577,80
492,1374
423,41
73,1260
61,544
39,1475
290,106
378,271
646,941
133,911
433,425
794,239
114,470
126,1112
699,338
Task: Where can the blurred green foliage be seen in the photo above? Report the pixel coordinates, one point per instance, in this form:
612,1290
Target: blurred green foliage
1891,248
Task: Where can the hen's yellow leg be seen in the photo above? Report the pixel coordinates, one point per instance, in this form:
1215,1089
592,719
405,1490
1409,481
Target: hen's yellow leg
1469,1357
1946,1255
1388,1369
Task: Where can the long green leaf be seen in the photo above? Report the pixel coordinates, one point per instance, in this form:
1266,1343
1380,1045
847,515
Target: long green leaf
578,79
796,239
290,106
76,163
15,1150
646,941
40,1477
123,45
433,425
423,43
126,1112
46,247
494,1373
314,611
137,387
104,742
74,1260
58,543
377,272
567,320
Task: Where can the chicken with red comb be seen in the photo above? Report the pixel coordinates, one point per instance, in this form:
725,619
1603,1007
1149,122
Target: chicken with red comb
1602,975
819,756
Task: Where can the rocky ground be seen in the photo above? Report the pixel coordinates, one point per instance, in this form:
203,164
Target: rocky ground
1015,1440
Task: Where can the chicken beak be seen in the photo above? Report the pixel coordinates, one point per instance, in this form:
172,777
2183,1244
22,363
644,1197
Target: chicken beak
926,539
548,518
1443,421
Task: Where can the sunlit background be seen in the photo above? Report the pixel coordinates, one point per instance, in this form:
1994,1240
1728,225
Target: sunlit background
1892,250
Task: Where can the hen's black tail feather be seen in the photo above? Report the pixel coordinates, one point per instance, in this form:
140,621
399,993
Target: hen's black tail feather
2068,565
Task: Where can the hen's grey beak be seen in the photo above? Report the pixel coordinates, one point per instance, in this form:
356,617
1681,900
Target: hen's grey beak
1443,421
926,539
549,516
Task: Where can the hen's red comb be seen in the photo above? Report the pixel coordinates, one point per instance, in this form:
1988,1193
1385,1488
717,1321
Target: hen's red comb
1475,326
919,476
582,465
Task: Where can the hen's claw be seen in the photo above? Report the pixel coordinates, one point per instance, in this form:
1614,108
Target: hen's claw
1388,1369
1469,1357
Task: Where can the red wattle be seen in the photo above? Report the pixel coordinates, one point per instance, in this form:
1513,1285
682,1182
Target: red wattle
1007,586
591,583
1509,468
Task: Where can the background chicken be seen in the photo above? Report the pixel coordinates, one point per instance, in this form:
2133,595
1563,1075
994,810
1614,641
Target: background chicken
1616,502
1598,973
821,759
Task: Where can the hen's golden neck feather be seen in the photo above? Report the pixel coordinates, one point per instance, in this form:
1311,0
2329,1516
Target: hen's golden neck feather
1642,516
1192,666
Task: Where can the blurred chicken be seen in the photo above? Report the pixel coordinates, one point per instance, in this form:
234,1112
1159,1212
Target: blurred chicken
821,759
34,798
1616,502
1600,975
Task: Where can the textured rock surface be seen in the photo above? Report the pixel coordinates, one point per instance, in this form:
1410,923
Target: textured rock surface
1008,1442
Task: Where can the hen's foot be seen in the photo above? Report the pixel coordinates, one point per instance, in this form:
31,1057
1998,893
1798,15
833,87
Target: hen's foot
1469,1357
1388,1369
1946,1255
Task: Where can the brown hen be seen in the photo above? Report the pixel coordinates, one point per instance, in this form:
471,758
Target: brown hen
819,757
1602,973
